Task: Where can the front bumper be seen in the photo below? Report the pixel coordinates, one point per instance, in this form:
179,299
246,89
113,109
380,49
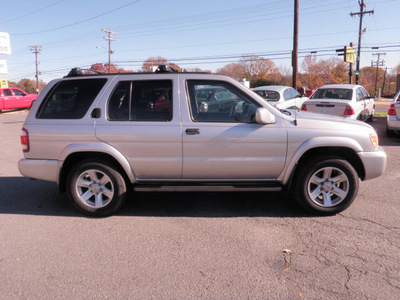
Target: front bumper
374,163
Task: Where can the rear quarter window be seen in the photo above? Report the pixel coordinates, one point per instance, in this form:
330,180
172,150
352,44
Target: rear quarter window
70,99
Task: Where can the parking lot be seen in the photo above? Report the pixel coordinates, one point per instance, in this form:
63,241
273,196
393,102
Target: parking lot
196,245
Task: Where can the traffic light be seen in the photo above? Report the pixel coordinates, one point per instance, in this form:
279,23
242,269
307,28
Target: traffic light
348,53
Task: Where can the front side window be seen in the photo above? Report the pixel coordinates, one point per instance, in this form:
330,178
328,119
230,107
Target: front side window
224,102
287,95
144,100
18,92
365,93
70,99
360,95
295,94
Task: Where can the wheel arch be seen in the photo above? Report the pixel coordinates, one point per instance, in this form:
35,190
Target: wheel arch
346,153
75,157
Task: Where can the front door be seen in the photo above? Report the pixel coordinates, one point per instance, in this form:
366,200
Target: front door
222,141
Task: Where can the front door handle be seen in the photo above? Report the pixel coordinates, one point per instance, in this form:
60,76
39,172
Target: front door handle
192,131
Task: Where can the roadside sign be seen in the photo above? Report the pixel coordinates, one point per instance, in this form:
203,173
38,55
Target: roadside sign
3,83
5,46
349,54
3,66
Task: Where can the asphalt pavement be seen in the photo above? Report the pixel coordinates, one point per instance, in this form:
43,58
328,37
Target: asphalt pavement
196,245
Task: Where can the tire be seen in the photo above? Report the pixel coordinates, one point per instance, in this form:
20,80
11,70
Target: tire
96,189
326,186
371,116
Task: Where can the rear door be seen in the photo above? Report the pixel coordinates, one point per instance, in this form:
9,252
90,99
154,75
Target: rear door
142,121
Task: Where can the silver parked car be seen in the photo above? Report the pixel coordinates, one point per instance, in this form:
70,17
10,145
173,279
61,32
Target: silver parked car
347,100
283,97
393,116
101,136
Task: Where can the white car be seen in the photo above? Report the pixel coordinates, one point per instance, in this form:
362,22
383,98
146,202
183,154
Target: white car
347,100
283,97
393,116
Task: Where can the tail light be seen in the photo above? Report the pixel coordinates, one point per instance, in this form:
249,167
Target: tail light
25,140
304,107
349,111
391,110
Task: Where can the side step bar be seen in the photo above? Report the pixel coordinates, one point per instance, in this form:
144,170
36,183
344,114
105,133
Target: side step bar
208,187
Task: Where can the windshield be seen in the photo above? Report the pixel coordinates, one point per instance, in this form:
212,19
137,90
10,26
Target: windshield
268,95
343,94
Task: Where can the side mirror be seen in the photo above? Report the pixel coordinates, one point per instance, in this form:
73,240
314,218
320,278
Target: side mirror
264,116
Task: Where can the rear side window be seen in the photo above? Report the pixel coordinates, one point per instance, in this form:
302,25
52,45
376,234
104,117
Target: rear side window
142,100
70,99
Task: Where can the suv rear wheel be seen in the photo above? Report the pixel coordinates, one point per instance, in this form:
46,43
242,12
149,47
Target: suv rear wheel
326,186
96,189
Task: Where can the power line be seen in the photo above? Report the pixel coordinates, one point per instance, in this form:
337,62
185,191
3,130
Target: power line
30,13
79,22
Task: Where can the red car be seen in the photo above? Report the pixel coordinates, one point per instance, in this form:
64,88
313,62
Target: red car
13,98
305,91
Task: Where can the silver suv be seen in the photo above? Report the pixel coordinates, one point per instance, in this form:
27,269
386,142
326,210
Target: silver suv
101,136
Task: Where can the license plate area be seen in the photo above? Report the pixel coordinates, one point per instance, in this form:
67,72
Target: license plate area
325,108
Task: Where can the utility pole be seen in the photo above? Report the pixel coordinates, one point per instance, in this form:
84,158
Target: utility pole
361,14
384,81
109,39
36,50
295,43
378,64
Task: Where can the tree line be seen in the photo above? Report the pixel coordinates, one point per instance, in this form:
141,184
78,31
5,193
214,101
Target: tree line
261,71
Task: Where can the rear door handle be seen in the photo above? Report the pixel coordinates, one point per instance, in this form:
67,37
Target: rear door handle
192,131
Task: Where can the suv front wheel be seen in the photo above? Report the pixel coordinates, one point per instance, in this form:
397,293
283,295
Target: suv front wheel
326,186
96,189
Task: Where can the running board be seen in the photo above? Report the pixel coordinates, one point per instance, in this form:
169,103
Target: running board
209,187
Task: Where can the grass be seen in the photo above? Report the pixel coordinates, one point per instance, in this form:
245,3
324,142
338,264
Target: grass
380,114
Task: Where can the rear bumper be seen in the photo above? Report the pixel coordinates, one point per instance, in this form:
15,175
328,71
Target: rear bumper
39,169
393,123
374,163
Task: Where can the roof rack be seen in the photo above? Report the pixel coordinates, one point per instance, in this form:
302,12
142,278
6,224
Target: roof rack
82,72
165,69
79,72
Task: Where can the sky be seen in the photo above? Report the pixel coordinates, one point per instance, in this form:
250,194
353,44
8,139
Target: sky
206,34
